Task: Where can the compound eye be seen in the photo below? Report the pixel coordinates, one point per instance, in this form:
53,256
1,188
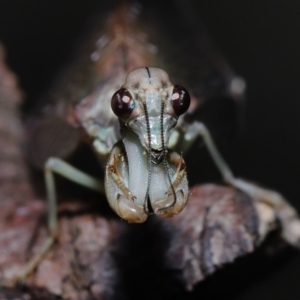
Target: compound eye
180,100
122,103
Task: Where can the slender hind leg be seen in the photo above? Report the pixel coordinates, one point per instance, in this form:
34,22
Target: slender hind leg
280,207
198,129
58,166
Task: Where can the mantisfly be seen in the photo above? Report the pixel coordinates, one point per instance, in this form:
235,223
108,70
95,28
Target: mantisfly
132,111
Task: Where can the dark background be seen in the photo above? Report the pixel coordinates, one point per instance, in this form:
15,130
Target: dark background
260,40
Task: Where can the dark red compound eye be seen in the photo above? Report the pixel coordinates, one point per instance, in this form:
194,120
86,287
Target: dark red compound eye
180,100
122,103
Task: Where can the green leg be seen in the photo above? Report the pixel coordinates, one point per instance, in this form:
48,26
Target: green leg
56,165
277,204
199,129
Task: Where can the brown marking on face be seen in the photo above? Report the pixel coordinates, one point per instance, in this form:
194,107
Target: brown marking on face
136,85
164,84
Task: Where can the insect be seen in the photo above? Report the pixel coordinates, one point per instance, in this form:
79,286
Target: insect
142,175
149,106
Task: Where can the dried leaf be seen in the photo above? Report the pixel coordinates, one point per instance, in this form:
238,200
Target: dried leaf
219,225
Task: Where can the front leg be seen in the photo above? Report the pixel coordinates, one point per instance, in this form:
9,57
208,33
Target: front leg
119,196
178,193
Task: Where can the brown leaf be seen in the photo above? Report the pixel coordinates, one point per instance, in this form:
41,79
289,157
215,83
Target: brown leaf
218,225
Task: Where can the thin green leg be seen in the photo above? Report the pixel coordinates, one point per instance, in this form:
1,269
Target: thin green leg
199,129
58,166
279,206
